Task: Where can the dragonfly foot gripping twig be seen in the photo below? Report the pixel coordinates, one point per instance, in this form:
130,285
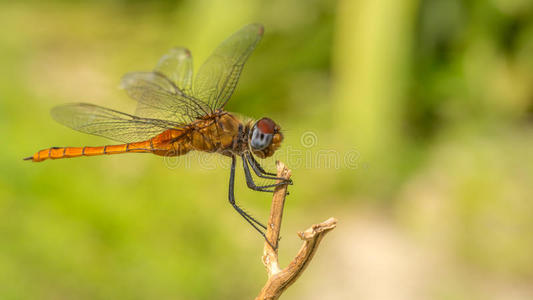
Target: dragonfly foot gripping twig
280,279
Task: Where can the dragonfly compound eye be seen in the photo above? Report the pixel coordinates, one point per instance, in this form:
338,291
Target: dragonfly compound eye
262,133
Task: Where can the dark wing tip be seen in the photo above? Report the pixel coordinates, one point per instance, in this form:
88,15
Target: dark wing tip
184,50
28,158
260,29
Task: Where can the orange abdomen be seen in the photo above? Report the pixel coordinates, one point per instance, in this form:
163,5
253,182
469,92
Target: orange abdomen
68,152
203,135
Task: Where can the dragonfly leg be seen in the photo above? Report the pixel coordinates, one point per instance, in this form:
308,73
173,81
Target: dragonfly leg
257,167
231,197
250,181
260,172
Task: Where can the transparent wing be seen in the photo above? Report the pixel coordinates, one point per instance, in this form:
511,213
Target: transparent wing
109,123
176,65
218,76
160,98
168,93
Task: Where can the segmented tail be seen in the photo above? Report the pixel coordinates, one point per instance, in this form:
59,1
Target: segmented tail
69,152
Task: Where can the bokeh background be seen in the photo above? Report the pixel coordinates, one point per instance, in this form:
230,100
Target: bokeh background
410,121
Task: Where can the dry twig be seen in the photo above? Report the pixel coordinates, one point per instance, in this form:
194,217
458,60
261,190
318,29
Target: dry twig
280,279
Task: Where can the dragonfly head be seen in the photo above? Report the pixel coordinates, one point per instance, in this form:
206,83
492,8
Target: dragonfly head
265,138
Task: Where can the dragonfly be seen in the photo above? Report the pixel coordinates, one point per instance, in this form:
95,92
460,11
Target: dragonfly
176,115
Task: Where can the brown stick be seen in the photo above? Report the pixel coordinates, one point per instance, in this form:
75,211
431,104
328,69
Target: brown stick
280,279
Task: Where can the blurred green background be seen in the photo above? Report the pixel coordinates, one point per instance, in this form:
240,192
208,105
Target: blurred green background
409,121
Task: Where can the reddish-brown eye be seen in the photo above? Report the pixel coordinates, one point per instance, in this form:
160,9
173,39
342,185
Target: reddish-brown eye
266,125
262,134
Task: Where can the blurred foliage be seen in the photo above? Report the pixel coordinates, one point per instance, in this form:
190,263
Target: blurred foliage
421,110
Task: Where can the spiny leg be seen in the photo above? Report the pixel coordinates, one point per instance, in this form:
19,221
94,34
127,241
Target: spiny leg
250,181
257,166
231,197
260,172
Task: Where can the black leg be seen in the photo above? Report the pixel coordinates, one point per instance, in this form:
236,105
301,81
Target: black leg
231,197
250,181
257,167
260,172
246,216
